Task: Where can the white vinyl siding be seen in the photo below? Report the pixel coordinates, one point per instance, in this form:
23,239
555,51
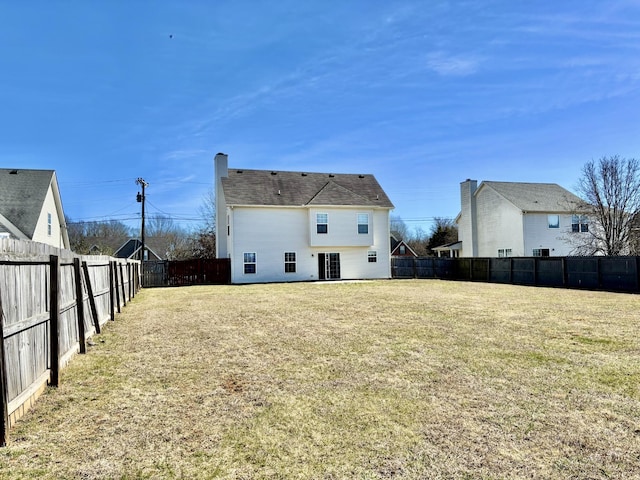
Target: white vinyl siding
497,215
538,235
48,227
292,230
342,229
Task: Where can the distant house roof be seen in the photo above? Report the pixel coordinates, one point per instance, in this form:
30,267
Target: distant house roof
278,188
448,246
396,244
535,197
131,249
22,195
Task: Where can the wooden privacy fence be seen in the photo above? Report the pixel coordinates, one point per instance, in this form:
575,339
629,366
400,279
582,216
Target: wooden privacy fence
616,274
51,302
163,273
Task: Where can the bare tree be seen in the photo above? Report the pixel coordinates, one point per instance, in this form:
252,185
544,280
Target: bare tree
207,211
398,228
610,190
167,238
203,241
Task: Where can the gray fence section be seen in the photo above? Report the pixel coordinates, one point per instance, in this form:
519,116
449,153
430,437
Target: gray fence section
616,274
51,302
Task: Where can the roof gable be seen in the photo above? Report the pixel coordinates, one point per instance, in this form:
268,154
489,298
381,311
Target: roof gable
332,194
534,197
271,188
22,195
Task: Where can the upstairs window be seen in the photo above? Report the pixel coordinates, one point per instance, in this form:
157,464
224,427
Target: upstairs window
403,250
504,252
579,223
554,221
322,222
363,223
49,224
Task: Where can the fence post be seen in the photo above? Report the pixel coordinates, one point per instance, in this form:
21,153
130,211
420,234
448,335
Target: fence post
511,270
54,313
4,400
124,293
132,292
79,305
116,285
599,269
112,310
92,300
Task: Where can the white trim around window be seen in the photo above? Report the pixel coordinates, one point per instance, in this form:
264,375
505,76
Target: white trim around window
289,262
322,223
250,264
363,223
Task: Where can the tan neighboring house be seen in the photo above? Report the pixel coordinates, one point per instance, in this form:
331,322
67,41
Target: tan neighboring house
511,219
31,208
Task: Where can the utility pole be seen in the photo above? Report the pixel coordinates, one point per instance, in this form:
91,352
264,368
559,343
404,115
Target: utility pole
140,199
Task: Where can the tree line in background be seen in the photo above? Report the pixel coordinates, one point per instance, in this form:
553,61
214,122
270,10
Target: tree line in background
163,235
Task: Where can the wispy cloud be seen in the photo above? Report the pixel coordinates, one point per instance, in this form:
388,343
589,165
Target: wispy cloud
453,65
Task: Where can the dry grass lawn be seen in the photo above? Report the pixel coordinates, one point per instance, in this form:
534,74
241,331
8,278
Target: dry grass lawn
370,380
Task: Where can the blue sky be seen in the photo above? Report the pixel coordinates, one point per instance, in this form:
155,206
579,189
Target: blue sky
422,94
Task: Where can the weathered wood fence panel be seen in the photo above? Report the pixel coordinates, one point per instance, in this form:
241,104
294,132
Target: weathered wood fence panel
616,274
164,273
51,302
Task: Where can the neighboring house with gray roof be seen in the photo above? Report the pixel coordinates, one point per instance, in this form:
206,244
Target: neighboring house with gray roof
132,247
31,208
278,226
511,219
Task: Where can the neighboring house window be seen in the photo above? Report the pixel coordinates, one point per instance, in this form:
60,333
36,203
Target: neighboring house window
49,224
289,262
372,256
579,223
363,223
504,252
322,222
540,252
554,221
250,262
403,250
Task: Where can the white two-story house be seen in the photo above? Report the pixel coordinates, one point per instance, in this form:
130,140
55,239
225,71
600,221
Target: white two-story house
510,219
279,226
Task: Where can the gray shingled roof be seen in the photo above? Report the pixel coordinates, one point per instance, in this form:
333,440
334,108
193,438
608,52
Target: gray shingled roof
22,195
277,188
536,197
